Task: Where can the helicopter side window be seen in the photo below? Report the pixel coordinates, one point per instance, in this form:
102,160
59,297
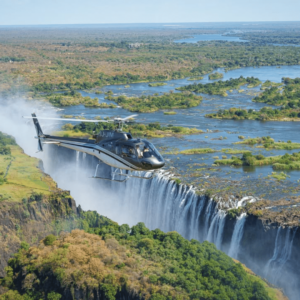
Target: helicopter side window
128,151
118,149
108,146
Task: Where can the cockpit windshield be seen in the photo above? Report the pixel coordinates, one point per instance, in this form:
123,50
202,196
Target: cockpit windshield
146,150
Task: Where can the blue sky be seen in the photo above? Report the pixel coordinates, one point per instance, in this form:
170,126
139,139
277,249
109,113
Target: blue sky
28,12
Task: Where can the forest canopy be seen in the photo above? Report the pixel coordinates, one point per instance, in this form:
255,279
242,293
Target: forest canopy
160,266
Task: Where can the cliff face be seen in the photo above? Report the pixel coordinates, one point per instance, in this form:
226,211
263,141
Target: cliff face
33,219
119,262
96,294
272,251
265,240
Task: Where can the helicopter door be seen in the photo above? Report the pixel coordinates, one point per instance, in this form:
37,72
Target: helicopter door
128,151
118,149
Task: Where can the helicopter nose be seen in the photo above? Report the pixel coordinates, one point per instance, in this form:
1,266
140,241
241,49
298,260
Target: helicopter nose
151,165
159,165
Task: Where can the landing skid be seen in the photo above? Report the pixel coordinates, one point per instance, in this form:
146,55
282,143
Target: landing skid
126,175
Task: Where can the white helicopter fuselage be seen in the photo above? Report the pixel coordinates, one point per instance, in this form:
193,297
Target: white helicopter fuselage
113,147
101,153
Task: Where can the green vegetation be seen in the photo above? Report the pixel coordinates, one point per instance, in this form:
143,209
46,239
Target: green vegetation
66,60
49,240
235,151
154,103
5,150
209,150
278,176
220,87
193,151
268,84
269,143
280,162
6,139
137,130
195,78
5,142
75,98
170,113
287,96
264,114
19,175
157,84
119,260
279,37
215,75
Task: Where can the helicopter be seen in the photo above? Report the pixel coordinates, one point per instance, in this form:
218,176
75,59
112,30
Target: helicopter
115,148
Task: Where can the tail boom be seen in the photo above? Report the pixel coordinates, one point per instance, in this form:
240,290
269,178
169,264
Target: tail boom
38,130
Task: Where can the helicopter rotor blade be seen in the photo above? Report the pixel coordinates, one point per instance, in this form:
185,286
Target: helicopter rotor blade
75,120
163,123
129,117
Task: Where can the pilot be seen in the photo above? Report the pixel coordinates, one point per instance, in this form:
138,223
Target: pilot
146,152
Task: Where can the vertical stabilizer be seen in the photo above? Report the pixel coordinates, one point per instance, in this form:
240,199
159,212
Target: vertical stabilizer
39,131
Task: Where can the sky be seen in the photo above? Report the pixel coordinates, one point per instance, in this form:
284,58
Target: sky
35,12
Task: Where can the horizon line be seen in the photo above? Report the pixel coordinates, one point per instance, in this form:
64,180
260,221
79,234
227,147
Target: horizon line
129,23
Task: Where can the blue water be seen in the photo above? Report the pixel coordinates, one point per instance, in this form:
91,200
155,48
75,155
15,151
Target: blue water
229,130
210,37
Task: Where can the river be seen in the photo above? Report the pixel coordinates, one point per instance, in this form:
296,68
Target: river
229,130
210,37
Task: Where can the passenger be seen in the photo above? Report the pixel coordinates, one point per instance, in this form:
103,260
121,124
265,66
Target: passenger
139,152
131,152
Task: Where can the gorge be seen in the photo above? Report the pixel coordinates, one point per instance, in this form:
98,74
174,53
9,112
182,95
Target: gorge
268,248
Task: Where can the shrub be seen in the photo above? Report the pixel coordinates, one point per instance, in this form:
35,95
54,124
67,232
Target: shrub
68,126
36,197
258,213
233,213
54,296
5,150
146,243
208,194
49,240
153,278
259,157
177,180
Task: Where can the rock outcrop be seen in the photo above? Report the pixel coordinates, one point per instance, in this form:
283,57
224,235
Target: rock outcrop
33,219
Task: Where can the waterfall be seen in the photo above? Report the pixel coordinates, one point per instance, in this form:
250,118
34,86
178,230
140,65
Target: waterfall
215,232
237,236
282,253
162,203
209,211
